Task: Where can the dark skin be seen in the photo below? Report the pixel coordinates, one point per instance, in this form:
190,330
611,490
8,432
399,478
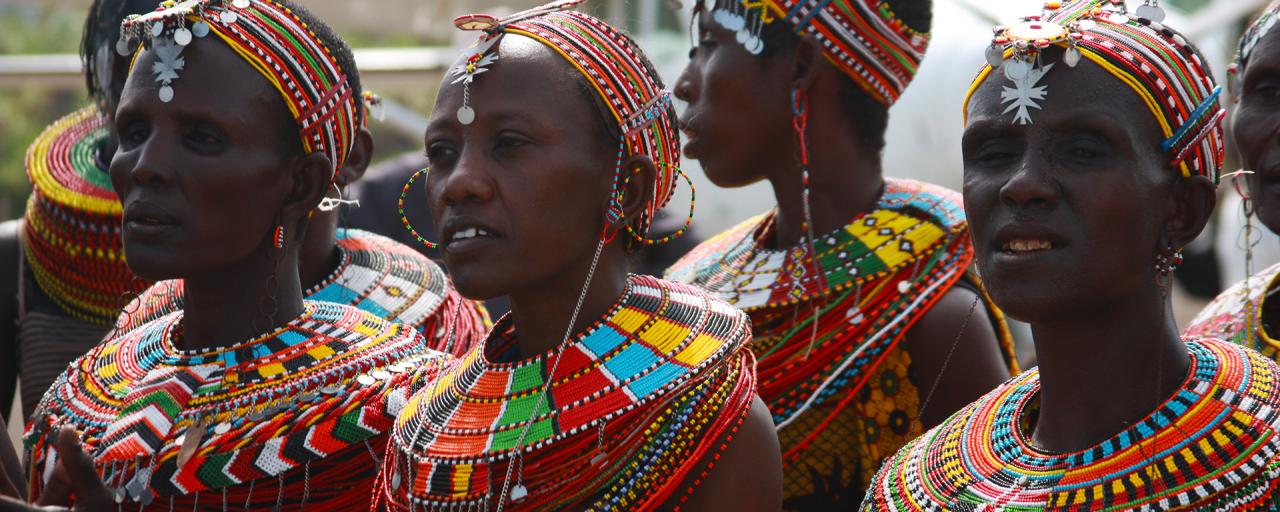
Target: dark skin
185,171
1088,177
739,127
525,172
1256,125
319,255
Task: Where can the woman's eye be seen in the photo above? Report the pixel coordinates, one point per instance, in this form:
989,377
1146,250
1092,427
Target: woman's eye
439,152
510,142
136,135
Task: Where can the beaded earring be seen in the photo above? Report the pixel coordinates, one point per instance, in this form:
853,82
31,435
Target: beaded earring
404,218
615,215
1166,262
279,237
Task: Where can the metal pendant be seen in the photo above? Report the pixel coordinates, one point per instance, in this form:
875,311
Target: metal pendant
191,442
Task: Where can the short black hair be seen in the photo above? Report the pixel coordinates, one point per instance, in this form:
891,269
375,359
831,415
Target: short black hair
870,118
102,28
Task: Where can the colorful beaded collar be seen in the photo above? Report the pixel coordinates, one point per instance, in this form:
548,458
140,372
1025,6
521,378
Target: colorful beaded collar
658,340
1236,314
374,273
1212,445
910,222
163,421
71,227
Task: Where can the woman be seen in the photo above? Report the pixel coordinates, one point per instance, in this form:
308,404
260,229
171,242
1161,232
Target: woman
1244,312
1091,149
65,278
651,400
862,305
232,124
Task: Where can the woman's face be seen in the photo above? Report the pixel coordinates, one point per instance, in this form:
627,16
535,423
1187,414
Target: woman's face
1256,127
739,107
202,178
1066,212
520,194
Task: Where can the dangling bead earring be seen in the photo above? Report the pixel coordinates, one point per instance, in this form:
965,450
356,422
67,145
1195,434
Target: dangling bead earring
800,121
279,236
404,217
1166,262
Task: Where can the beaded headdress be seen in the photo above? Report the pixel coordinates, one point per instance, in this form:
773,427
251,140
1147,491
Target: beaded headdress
863,38
1152,59
615,69
276,42
1256,31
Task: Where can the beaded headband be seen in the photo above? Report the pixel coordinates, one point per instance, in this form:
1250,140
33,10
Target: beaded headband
863,38
1256,31
615,69
270,37
1152,59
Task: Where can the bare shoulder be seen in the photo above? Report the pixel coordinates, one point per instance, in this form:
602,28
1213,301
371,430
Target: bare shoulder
956,354
748,475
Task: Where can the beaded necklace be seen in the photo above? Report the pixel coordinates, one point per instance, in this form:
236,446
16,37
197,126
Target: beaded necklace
1210,446
637,400
71,227
374,273
1235,315
828,344
161,421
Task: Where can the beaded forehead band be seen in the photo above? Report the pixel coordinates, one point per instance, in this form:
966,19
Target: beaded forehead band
1150,58
271,38
1256,31
633,93
863,38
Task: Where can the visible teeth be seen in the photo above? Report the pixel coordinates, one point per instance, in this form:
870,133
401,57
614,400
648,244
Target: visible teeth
1023,245
469,233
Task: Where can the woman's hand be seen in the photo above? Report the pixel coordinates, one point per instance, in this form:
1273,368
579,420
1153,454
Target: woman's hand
74,476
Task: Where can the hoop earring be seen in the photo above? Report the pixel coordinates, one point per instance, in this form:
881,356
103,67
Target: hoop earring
328,204
404,218
643,238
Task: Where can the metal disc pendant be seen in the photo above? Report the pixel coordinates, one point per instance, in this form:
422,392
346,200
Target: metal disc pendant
200,29
123,47
519,492
466,115
228,17
1016,69
904,286
157,28
241,4
395,479
1087,24
995,55
736,21
755,45
1118,18
1151,12
182,36
222,428
166,93
1071,57
742,36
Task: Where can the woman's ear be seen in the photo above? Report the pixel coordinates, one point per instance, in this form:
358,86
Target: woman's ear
311,177
358,159
1195,198
637,191
808,64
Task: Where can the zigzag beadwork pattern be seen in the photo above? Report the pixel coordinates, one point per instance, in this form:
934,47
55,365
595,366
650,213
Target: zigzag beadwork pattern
1211,446
636,399
374,273
322,386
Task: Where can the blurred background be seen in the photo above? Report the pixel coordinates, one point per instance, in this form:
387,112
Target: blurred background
403,48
